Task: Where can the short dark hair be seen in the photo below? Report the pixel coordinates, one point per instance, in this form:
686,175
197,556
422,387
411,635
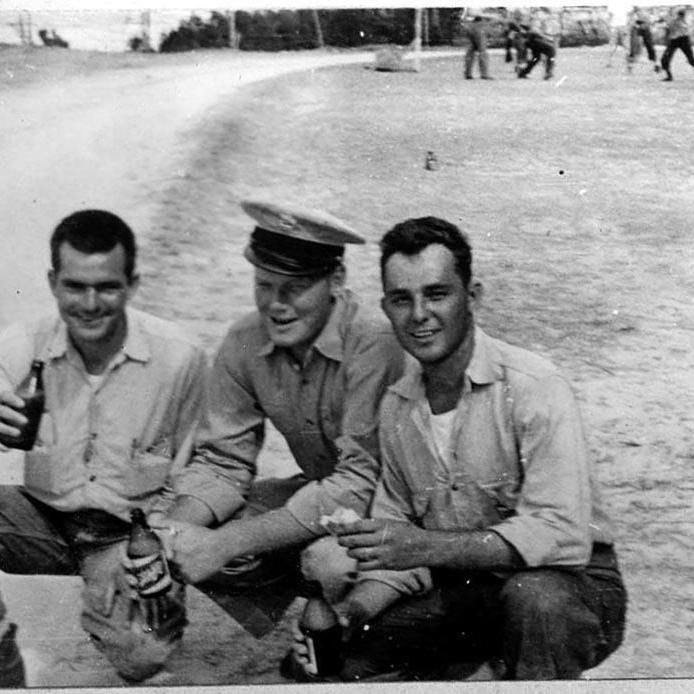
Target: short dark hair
94,231
413,235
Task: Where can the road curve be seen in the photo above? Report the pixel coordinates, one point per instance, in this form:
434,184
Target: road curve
109,139
105,140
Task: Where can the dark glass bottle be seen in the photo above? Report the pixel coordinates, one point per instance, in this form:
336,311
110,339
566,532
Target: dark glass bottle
323,634
32,392
11,663
147,557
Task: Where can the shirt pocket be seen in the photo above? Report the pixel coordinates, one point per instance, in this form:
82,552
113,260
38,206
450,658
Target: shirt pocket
45,470
148,472
503,493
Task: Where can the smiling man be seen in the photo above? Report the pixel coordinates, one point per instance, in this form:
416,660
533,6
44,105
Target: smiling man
123,391
486,500
313,361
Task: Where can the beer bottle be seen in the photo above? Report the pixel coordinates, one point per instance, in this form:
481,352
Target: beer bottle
323,634
32,392
147,558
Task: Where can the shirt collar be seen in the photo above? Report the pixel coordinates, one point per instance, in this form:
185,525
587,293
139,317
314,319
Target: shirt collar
329,341
484,367
136,345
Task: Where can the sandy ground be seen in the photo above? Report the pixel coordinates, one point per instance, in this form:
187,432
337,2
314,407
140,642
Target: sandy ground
119,139
109,139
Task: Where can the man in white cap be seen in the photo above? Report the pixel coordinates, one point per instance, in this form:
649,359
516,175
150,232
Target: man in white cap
314,362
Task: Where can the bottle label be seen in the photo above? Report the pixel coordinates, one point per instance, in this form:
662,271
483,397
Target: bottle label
152,574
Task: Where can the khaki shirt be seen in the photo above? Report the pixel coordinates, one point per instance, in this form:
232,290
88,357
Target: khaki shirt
114,446
517,462
326,409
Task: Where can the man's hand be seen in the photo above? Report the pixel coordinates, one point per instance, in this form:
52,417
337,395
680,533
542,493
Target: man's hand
10,416
385,544
196,552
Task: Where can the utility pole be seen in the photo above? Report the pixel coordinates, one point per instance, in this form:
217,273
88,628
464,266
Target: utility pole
23,27
319,31
146,24
233,35
417,37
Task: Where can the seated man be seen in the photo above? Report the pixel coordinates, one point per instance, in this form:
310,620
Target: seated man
315,362
486,497
123,390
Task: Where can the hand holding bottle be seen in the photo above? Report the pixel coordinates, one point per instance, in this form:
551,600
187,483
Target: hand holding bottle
20,412
11,418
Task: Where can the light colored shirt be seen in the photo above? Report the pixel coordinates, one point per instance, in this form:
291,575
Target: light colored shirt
677,28
112,446
519,462
326,409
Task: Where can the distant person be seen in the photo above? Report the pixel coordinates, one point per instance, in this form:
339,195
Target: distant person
677,37
314,361
640,32
123,390
487,540
515,47
539,45
618,26
476,33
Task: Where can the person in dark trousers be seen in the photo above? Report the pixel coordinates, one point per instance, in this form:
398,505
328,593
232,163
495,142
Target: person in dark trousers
476,31
539,44
641,32
677,37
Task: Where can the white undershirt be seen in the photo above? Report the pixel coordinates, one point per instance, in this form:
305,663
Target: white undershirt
442,430
96,379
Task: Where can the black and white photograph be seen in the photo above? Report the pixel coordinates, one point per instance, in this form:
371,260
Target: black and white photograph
346,345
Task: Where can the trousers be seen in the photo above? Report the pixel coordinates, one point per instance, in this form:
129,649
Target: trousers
644,33
479,49
535,624
36,539
684,44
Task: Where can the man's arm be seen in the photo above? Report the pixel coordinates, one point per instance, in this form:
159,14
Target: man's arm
213,486
550,523
395,545
200,552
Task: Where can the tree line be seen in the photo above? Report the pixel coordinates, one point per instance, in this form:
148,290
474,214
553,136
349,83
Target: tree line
284,30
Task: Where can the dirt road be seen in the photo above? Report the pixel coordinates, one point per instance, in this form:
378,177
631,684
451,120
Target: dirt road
109,140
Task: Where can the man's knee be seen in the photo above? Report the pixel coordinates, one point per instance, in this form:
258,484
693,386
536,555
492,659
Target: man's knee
325,562
138,649
135,657
136,635
535,595
550,631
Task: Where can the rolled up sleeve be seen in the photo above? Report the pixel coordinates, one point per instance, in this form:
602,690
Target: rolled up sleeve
228,440
393,501
550,526
371,365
